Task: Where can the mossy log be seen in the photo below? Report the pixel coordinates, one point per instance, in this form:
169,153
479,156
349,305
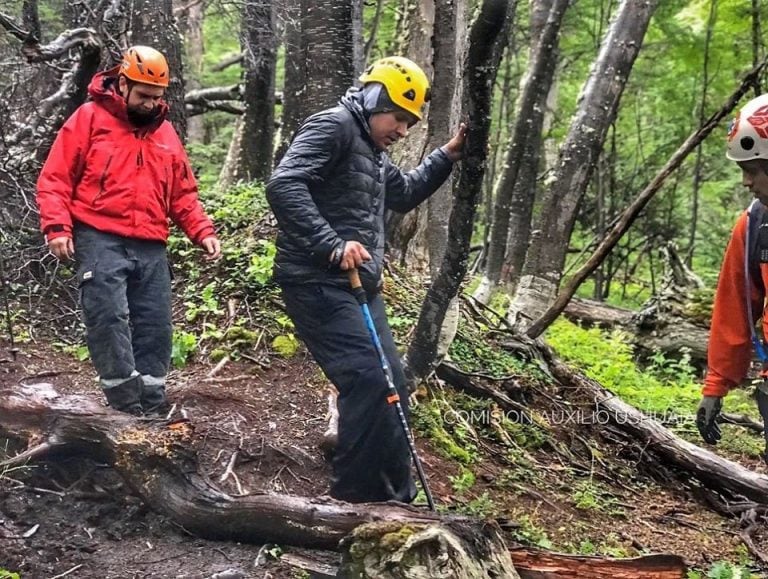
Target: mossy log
426,551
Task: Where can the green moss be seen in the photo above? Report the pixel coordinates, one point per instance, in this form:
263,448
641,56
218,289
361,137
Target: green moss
285,345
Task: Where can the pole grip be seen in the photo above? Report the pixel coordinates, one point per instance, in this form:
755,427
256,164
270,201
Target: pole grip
357,286
354,278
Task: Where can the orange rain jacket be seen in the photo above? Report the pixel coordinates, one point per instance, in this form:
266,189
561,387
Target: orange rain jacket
730,345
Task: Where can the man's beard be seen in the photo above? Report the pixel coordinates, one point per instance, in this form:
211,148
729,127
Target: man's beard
142,118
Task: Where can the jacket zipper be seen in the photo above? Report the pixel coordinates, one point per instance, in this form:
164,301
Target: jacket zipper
103,180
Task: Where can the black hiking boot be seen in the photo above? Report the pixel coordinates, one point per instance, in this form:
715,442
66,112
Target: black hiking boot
153,400
125,397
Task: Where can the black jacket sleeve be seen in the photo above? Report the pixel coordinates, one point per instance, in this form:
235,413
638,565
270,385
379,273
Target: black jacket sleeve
406,190
315,148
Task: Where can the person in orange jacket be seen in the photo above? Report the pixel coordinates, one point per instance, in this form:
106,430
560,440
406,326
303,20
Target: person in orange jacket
740,295
115,174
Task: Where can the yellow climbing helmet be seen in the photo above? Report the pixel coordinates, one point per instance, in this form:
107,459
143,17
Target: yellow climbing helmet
407,85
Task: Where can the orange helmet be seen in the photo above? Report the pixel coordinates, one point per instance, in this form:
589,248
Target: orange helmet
146,65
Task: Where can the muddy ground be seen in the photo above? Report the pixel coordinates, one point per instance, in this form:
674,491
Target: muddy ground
72,514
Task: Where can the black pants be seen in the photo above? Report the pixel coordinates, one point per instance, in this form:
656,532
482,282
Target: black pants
125,295
372,460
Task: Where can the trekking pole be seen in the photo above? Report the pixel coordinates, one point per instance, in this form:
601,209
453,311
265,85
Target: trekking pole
394,397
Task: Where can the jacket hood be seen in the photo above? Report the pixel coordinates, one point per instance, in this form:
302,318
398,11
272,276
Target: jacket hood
353,102
102,90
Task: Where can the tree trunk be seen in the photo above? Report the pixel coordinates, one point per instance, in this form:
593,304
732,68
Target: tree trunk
757,47
152,24
598,104
229,173
156,462
516,188
482,62
406,233
295,75
327,43
358,41
195,47
697,167
449,46
260,50
634,209
319,60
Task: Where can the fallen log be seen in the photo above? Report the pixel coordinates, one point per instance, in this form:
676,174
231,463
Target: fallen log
157,462
156,459
649,333
715,472
535,564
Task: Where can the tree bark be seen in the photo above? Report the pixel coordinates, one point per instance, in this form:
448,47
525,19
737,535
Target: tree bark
634,209
392,551
295,75
195,48
327,43
697,166
319,60
406,233
516,188
260,50
482,62
152,24
599,101
449,43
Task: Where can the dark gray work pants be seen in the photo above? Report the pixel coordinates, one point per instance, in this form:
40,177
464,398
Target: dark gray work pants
125,295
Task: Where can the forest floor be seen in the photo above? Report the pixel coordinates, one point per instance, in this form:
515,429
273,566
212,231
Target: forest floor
579,489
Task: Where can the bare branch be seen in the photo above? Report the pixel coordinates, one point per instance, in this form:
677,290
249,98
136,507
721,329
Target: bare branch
214,93
227,62
79,37
11,26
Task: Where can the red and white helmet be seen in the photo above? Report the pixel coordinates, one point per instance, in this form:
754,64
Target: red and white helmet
748,133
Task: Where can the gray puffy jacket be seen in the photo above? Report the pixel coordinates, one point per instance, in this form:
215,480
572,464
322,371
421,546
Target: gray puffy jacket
333,186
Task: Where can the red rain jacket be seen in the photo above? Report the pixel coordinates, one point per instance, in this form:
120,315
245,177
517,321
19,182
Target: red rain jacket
730,345
104,172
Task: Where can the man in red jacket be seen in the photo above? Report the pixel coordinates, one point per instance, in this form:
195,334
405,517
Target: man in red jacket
740,296
115,174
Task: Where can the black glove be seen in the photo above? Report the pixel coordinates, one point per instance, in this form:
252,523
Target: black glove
706,418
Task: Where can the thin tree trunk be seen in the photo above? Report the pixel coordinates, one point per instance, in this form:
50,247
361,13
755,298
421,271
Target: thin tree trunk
449,45
757,47
697,167
515,190
406,234
152,23
480,69
195,47
597,292
260,56
631,213
598,105
371,40
358,41
295,75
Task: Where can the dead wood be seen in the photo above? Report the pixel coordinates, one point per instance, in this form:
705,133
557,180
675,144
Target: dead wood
663,446
535,564
156,459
